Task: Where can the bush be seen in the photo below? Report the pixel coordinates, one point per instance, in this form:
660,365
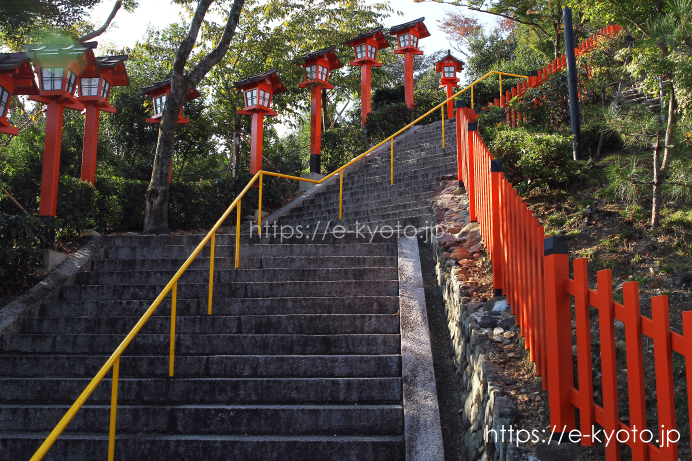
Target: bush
22,238
119,204
76,205
533,159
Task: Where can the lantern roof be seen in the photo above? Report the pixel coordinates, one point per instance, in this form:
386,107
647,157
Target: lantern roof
269,77
18,68
449,60
115,65
69,50
375,33
164,87
416,24
327,53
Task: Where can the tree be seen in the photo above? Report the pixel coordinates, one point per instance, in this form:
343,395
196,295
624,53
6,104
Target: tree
156,200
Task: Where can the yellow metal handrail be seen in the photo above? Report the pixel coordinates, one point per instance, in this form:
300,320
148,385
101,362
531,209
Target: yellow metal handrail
113,361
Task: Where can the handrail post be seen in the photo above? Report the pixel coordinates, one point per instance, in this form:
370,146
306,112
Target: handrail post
443,126
558,333
114,410
496,176
259,206
341,193
391,167
211,270
471,186
174,299
237,236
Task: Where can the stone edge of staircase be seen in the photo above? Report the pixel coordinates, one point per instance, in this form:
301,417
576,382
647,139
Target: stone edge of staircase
48,289
355,167
422,426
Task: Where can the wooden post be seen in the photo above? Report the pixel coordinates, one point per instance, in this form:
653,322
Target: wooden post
496,177
365,93
256,143
91,130
315,129
559,333
471,186
51,160
408,78
460,142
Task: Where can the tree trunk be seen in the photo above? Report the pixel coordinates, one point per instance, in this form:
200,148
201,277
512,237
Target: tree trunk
656,199
669,128
236,152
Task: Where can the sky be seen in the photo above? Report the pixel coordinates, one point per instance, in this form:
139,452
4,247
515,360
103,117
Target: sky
127,27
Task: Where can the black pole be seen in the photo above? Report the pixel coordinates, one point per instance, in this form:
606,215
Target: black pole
572,83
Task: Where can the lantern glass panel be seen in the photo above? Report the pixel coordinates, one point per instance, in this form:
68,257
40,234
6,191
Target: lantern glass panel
360,51
372,52
51,78
4,101
265,98
105,88
251,98
324,73
71,82
414,41
311,72
450,71
89,86
159,103
403,40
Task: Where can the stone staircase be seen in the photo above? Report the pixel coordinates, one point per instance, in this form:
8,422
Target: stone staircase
301,358
369,199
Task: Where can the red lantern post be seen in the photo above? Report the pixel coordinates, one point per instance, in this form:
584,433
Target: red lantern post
318,66
16,77
448,67
95,83
258,92
58,67
159,93
407,36
366,46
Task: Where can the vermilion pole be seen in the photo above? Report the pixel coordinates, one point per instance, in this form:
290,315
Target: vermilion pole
460,141
365,96
408,78
51,160
316,128
471,186
91,130
450,103
496,176
256,144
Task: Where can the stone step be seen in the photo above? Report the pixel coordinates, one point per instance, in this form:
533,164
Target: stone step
247,239
217,325
254,251
203,391
165,447
237,275
355,212
226,306
212,366
225,263
186,344
391,219
235,290
216,419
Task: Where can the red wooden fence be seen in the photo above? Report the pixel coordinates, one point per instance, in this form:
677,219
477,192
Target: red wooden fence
533,272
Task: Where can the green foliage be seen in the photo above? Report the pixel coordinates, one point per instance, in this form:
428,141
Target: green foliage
76,202
342,144
21,239
119,204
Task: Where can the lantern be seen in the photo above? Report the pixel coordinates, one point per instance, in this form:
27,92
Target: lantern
365,47
408,35
258,92
16,77
58,68
448,67
95,83
159,93
318,66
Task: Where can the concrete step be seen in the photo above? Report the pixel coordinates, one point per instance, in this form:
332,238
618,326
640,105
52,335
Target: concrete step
254,251
235,290
203,391
205,366
237,275
267,262
216,325
148,344
216,419
226,306
164,447
246,239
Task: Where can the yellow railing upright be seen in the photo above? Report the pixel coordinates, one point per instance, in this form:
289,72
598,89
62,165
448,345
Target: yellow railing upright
113,362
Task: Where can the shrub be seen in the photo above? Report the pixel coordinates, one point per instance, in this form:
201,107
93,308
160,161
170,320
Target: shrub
21,239
119,204
76,205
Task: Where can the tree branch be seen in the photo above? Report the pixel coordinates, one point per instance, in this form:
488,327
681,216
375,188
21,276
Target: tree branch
214,56
532,24
188,43
102,29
